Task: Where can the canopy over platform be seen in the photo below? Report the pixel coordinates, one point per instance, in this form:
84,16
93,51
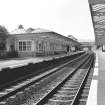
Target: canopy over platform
97,9
96,1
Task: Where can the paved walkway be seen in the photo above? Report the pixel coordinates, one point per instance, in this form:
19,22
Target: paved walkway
97,90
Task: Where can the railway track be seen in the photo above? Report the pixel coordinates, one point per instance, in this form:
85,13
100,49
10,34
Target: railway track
39,91
19,74
68,91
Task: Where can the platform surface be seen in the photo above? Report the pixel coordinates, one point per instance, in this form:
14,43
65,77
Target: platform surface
97,89
17,62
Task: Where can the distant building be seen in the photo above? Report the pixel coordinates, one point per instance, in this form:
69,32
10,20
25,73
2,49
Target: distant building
87,44
72,37
34,42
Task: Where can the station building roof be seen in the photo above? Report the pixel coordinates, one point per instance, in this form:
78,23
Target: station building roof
18,31
40,31
29,30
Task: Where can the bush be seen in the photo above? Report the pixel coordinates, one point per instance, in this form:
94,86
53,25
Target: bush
3,54
12,54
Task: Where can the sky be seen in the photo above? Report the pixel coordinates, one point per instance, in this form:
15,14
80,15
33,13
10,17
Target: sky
66,17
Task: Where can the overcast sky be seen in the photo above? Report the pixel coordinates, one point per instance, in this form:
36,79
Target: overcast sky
62,16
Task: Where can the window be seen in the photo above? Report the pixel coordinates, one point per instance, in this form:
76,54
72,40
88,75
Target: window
37,45
29,44
40,45
20,46
25,45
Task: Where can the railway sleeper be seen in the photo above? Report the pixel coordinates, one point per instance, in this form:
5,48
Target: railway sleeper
87,86
63,95
62,98
66,93
73,82
82,103
56,99
59,103
68,88
72,85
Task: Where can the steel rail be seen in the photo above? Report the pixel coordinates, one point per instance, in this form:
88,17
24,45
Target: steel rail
74,102
51,92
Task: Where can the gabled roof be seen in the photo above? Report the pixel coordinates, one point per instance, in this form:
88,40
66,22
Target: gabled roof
18,31
29,30
40,30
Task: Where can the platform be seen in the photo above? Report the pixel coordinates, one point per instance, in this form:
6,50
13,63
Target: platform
97,89
17,62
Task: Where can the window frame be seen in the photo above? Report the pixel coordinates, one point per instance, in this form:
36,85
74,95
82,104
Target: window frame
23,45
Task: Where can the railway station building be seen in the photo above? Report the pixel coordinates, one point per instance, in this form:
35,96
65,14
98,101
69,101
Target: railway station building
37,42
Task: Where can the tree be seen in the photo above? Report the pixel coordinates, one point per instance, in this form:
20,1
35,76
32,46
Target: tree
30,29
3,37
20,26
